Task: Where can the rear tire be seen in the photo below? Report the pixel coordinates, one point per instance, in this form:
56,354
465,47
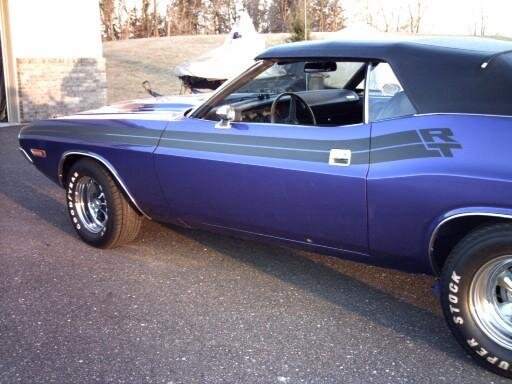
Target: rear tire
476,296
98,210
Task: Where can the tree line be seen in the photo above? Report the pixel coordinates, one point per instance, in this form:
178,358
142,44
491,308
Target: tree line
155,18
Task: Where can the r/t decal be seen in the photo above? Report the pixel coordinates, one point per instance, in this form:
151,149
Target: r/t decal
440,140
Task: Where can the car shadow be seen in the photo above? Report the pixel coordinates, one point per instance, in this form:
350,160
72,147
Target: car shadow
324,277
41,203
328,279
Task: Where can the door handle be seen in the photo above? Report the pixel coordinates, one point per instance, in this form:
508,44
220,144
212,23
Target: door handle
340,157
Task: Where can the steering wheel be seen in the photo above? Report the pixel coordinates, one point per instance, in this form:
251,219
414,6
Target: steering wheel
292,111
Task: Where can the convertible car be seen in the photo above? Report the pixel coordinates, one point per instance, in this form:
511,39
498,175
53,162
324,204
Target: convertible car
395,153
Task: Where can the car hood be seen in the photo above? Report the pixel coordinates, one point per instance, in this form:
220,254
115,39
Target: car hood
174,105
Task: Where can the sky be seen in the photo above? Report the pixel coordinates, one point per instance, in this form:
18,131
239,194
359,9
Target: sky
446,16
440,16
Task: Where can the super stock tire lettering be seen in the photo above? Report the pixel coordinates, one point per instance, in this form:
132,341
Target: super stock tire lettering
453,299
485,245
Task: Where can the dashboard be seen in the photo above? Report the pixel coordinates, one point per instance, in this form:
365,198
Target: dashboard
330,107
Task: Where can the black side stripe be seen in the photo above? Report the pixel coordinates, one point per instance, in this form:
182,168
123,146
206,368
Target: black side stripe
276,153
407,152
305,144
385,148
388,140
379,156
395,139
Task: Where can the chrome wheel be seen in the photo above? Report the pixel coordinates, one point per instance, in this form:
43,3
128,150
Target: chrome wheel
491,300
91,204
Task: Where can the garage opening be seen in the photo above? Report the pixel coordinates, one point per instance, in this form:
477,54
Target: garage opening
3,101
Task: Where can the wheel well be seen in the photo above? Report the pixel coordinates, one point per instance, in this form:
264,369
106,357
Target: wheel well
66,165
72,158
451,232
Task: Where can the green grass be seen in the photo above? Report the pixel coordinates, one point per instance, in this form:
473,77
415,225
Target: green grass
130,62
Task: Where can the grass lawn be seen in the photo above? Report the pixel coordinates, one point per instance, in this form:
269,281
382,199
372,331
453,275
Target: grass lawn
130,62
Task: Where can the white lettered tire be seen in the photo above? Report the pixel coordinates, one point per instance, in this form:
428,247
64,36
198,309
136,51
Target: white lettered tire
476,296
98,210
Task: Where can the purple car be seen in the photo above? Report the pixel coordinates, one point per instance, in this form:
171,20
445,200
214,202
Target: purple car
394,153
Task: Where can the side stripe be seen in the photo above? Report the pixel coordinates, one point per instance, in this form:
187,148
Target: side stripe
385,148
320,145
388,140
269,152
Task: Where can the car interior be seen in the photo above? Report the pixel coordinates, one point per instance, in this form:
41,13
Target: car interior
317,93
322,93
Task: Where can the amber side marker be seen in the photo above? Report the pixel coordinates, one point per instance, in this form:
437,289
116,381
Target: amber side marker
38,152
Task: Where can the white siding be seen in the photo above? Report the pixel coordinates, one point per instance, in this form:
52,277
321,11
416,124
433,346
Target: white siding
55,28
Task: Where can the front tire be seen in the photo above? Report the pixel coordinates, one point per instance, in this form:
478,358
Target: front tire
476,296
98,210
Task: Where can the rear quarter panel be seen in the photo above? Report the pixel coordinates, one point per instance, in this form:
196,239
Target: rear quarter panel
410,190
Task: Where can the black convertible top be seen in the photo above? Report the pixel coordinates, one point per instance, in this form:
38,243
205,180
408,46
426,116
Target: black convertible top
451,75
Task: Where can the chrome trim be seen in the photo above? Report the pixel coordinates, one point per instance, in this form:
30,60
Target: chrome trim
366,111
439,114
457,114
340,157
111,169
91,204
287,125
25,154
490,300
435,232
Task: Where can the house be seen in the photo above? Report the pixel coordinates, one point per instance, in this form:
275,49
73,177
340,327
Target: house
52,58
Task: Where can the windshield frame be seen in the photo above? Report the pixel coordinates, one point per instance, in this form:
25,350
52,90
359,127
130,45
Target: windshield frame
226,88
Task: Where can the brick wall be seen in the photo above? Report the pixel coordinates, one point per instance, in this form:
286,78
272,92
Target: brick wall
57,87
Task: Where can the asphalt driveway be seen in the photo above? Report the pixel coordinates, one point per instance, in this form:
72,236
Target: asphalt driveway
182,306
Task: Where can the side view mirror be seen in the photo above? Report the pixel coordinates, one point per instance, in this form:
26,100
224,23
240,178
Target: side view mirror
227,114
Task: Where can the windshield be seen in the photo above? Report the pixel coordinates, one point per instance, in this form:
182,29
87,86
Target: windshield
327,92
268,79
292,77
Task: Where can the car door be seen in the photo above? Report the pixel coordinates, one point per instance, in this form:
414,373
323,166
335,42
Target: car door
300,183
273,180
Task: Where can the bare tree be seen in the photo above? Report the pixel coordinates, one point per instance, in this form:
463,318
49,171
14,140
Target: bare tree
107,11
368,14
219,13
155,17
335,16
187,16
479,25
378,16
258,12
181,17
280,15
168,19
415,16
317,11
122,20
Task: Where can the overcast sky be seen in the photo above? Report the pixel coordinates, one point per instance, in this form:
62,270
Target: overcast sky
447,16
